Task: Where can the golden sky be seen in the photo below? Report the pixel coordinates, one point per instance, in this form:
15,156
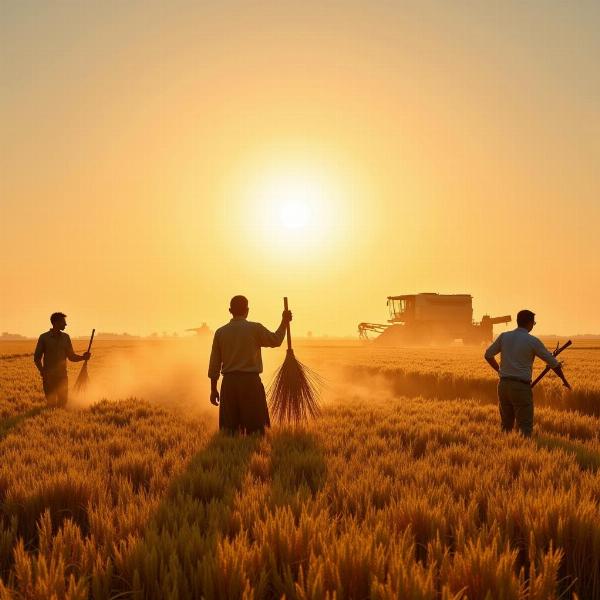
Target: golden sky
159,157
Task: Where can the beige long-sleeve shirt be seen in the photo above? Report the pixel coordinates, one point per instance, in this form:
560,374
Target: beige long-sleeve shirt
236,347
519,349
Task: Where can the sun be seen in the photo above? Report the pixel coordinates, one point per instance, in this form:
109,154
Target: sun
297,202
292,212
294,215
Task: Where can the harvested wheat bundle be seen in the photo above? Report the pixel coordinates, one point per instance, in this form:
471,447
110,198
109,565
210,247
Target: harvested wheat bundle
294,392
83,378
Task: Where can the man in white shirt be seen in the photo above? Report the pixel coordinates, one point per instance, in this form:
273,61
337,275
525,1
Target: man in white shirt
236,353
518,350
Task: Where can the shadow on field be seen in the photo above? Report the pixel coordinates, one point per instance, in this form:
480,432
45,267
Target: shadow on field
447,386
175,558
298,465
180,554
8,424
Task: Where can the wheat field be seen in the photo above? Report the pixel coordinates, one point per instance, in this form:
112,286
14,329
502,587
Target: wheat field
403,488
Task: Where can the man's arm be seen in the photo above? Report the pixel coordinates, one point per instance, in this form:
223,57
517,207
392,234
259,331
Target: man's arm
37,355
71,354
542,352
274,339
491,353
214,370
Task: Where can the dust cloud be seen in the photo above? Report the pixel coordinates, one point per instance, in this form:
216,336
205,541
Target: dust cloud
173,374
169,373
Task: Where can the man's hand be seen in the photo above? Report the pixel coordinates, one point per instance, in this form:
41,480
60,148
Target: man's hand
87,356
286,316
214,397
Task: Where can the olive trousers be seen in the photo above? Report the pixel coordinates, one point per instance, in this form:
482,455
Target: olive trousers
515,400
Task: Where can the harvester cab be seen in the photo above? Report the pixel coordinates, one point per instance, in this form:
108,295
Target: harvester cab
429,318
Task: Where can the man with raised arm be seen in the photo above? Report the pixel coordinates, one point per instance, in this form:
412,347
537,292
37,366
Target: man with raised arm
236,353
51,353
518,349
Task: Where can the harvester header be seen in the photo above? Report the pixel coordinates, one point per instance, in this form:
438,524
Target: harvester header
431,318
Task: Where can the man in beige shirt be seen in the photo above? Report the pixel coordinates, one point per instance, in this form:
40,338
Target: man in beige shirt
51,353
236,353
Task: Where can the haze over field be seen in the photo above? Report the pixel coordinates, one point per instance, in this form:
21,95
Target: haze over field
158,158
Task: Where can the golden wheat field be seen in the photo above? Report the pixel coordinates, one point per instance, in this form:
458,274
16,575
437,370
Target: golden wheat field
403,488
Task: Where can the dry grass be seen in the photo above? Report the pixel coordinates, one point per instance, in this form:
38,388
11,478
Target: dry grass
461,372
386,495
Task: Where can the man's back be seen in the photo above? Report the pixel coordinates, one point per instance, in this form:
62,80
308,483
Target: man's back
518,350
236,347
56,347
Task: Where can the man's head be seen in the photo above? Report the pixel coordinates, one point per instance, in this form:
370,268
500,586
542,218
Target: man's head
58,320
238,307
526,319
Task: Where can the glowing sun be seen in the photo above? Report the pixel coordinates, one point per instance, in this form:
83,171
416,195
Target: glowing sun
296,202
293,212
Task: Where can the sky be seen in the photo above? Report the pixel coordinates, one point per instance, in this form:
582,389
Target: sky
157,158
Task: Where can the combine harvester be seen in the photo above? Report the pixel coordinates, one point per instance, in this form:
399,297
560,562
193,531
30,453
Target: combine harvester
431,319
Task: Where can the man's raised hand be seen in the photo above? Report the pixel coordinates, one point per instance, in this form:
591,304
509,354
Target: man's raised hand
286,316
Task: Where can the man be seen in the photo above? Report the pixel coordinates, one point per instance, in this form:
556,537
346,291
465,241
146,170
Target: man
55,347
518,350
236,354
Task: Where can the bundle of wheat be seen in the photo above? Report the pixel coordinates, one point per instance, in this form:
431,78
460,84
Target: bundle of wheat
294,392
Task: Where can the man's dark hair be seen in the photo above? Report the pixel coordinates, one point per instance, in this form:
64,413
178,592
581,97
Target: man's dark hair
238,305
57,316
525,317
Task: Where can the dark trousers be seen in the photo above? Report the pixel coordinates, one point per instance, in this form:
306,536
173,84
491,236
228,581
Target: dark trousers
516,404
56,389
243,403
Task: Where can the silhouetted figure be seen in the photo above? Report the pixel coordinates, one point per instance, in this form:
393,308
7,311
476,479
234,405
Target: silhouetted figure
54,347
236,353
518,349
